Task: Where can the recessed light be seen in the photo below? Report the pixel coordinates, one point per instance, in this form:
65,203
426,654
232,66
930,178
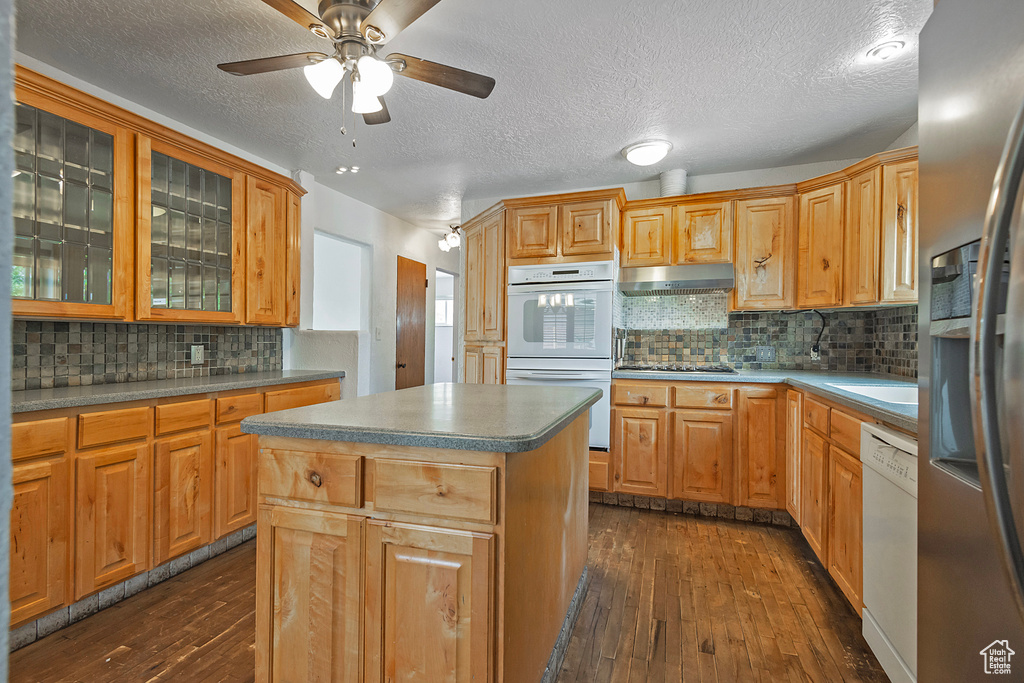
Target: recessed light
647,152
886,51
355,169
342,169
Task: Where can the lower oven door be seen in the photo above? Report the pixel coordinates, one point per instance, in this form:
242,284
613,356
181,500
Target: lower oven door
600,412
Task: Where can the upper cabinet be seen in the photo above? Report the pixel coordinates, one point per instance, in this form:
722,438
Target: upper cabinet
645,236
765,254
899,232
120,218
564,228
484,240
702,233
863,213
820,248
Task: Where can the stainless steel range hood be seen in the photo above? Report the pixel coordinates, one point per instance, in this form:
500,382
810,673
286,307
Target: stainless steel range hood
698,278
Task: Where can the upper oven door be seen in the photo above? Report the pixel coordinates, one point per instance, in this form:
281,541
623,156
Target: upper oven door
561,320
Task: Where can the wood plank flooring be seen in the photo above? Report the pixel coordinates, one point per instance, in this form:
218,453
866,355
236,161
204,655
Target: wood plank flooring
672,598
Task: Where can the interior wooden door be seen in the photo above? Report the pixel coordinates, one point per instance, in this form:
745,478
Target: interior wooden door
645,236
702,455
760,462
183,473
820,254
429,604
703,233
640,451
587,228
266,270
40,534
533,232
794,434
111,517
845,524
813,485
310,564
863,236
411,334
765,251
899,233
234,480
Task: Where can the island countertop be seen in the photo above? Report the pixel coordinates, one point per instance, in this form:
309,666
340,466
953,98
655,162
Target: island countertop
478,417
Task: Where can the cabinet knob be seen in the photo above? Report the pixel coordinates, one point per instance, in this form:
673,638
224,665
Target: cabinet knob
315,479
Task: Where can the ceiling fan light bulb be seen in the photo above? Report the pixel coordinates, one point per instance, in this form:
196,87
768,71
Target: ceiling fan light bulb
324,76
364,102
375,76
647,152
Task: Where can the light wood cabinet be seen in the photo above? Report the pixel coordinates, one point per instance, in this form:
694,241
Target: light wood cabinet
646,237
820,248
485,279
112,520
311,629
639,442
600,471
40,537
293,258
588,228
813,490
473,271
484,365
702,233
533,232
863,234
760,462
428,604
702,455
765,254
266,218
899,232
234,480
298,397
183,473
844,536
794,434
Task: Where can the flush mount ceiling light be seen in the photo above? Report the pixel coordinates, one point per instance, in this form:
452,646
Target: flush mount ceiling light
452,240
885,51
647,152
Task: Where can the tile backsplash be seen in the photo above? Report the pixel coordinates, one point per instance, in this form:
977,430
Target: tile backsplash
60,354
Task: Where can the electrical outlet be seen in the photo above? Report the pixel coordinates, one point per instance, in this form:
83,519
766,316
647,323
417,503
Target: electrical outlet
815,352
198,355
765,354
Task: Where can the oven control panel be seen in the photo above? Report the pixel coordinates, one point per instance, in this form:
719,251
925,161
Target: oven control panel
568,272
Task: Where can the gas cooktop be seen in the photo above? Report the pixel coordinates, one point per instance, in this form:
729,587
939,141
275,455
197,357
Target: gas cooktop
676,367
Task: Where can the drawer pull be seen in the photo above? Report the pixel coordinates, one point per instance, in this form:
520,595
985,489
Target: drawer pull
315,479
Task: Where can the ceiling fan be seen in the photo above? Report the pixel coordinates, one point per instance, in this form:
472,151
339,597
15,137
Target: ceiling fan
357,28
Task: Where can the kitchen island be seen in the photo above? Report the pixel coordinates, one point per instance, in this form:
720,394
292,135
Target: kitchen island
437,533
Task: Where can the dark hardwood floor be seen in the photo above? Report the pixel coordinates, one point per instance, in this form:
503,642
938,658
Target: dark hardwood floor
672,598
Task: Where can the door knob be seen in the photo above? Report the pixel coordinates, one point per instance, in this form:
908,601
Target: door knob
399,365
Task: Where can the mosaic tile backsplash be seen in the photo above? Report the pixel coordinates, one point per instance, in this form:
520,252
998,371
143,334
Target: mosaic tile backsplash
62,354
883,340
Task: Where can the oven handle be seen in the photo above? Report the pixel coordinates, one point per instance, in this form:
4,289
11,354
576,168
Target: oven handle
531,287
548,375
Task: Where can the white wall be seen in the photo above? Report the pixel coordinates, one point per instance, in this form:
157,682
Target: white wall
908,139
330,350
340,299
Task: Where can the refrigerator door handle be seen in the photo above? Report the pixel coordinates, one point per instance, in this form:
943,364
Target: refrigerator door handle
993,456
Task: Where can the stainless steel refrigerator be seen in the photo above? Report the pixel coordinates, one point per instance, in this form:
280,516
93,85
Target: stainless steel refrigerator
971,478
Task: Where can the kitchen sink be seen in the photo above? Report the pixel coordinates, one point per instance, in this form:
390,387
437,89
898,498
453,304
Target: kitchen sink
906,395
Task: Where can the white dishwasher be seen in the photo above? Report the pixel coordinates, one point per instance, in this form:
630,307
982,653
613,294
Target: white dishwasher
890,549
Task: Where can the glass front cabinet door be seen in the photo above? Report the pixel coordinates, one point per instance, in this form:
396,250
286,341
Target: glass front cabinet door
72,212
191,231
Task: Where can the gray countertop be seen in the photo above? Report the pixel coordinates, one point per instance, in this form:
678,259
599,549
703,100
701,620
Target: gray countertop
902,415
479,417
96,394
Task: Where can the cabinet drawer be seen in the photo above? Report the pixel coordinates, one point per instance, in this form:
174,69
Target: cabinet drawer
816,415
177,417
112,426
42,437
237,408
626,394
600,474
452,491
702,397
317,477
845,431
283,399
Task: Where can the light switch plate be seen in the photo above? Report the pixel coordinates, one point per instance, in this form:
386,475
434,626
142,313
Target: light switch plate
198,355
765,354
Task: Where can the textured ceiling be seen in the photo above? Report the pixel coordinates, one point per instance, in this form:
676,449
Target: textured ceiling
734,85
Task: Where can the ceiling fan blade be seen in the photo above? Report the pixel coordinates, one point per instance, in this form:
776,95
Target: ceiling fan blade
378,117
391,17
260,66
445,76
301,16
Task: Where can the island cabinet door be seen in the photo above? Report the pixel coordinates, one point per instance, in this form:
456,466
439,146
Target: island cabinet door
308,588
182,494
429,605
640,451
702,455
234,480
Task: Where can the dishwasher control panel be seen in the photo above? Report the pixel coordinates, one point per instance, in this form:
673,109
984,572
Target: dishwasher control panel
890,457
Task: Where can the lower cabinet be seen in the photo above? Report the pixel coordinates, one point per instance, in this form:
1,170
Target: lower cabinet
234,479
844,535
600,471
702,455
639,442
182,494
813,483
40,537
759,458
112,503
794,431
484,365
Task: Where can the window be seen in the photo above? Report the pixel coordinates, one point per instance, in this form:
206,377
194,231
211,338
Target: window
444,312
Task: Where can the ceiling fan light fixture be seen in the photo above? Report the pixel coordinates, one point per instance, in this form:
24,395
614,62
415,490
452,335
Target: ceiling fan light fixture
375,76
324,76
364,102
647,152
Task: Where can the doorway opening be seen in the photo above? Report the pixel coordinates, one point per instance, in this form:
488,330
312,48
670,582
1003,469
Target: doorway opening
444,327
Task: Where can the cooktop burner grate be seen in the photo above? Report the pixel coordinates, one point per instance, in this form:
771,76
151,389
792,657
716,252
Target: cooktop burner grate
676,367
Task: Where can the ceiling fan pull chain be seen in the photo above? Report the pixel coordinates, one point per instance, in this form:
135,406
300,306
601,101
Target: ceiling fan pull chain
344,110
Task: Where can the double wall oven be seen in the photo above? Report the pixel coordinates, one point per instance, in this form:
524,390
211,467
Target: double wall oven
560,332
